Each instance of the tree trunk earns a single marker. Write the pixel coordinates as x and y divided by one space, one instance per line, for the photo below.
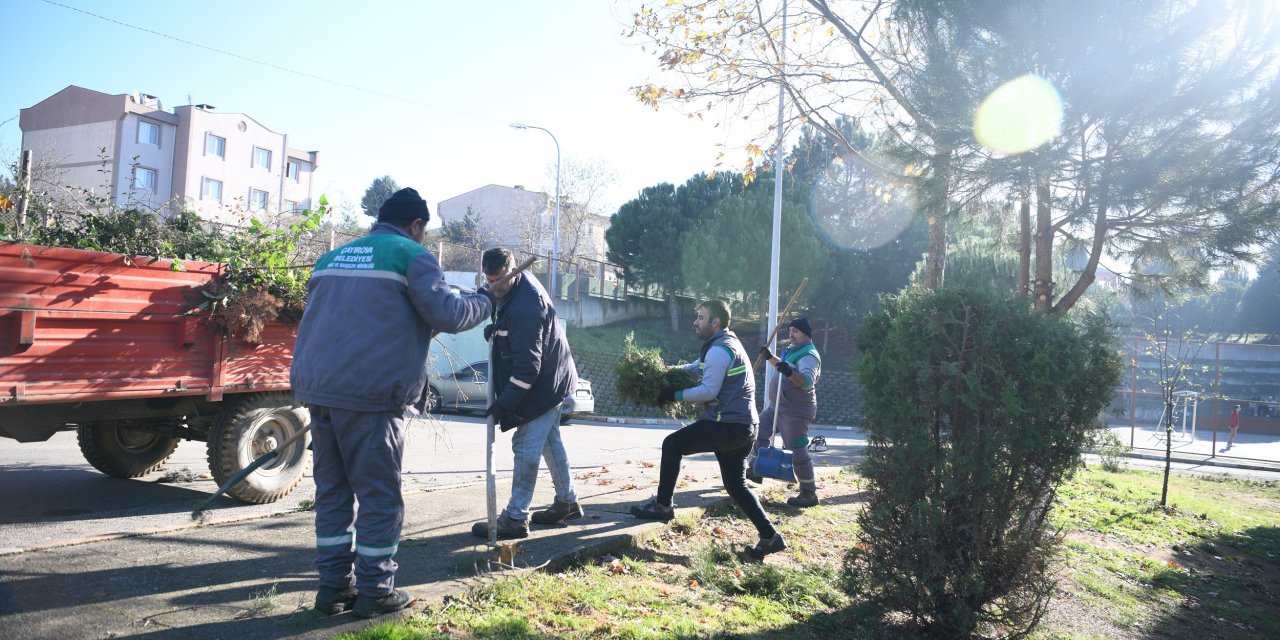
1024 241
939 205
1043 286
1100 229
1168 450
935 261
673 311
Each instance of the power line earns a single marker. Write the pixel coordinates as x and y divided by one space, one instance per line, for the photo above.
268 64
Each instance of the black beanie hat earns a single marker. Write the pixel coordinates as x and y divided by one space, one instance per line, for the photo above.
404 206
802 323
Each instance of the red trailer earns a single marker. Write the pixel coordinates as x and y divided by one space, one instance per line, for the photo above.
112 346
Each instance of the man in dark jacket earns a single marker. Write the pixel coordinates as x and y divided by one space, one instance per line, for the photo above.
359 360
533 373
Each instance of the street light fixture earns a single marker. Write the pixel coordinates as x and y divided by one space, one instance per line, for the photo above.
555 238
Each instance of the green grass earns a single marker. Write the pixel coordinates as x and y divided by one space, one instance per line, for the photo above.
652 332
1206 567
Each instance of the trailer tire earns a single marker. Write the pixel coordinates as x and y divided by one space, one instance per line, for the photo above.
121 452
250 428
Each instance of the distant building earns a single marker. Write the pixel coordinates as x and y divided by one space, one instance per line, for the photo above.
217 164
522 220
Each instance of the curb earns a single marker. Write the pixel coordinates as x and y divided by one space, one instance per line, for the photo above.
674 423
1211 462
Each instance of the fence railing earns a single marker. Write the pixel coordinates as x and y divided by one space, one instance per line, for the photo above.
1214 377
578 277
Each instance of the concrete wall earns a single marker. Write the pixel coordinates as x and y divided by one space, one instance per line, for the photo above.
594 312
499 209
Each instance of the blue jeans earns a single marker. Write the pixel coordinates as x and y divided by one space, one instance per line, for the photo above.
535 440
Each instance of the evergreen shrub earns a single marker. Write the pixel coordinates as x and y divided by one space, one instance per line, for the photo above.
977 407
642 378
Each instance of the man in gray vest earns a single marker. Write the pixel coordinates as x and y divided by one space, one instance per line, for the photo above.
725 426
798 370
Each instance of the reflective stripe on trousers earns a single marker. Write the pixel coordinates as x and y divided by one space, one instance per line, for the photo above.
357 459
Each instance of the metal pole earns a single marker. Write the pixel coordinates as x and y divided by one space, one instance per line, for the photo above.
775 257
1133 394
1217 393
555 237
490 477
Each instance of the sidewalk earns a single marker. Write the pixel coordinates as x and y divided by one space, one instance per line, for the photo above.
253 579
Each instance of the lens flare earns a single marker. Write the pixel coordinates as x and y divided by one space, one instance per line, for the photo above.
1019 116
856 210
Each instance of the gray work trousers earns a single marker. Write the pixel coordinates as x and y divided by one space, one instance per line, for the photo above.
795 438
359 509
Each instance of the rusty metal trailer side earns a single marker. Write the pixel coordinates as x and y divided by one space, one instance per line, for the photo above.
109 344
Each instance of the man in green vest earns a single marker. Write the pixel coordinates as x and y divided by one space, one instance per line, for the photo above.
798 370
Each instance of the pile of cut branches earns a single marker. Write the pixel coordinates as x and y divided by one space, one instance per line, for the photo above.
643 379
261 284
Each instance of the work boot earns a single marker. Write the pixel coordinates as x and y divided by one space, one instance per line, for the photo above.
331 601
370 606
651 510
559 512
755 477
808 497
508 528
767 546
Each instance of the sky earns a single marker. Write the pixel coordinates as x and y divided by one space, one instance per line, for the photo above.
421 91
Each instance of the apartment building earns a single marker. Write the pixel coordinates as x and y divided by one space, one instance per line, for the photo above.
127 148
521 219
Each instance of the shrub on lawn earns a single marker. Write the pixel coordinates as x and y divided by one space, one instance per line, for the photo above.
977 407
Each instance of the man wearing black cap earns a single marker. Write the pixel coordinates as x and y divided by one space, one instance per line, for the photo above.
798 372
359 361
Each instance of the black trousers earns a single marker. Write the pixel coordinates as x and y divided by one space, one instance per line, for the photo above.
731 442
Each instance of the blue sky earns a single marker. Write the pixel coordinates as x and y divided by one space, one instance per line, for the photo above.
445 79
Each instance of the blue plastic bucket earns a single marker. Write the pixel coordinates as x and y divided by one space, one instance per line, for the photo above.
775 463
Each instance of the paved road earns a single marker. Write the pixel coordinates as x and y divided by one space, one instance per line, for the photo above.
51 495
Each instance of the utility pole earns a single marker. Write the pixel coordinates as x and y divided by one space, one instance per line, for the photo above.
775 257
24 189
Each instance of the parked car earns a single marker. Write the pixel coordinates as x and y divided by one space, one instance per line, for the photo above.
458 371
464 391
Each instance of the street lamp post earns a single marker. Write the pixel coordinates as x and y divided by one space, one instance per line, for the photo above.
555 238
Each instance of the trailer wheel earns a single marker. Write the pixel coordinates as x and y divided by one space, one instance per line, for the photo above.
121 452
249 429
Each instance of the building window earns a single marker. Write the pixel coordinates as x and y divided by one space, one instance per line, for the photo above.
211 189
215 146
257 200
290 205
148 133
144 179
292 170
262 158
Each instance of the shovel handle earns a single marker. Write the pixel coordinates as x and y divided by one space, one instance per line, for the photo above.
773 334
514 272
